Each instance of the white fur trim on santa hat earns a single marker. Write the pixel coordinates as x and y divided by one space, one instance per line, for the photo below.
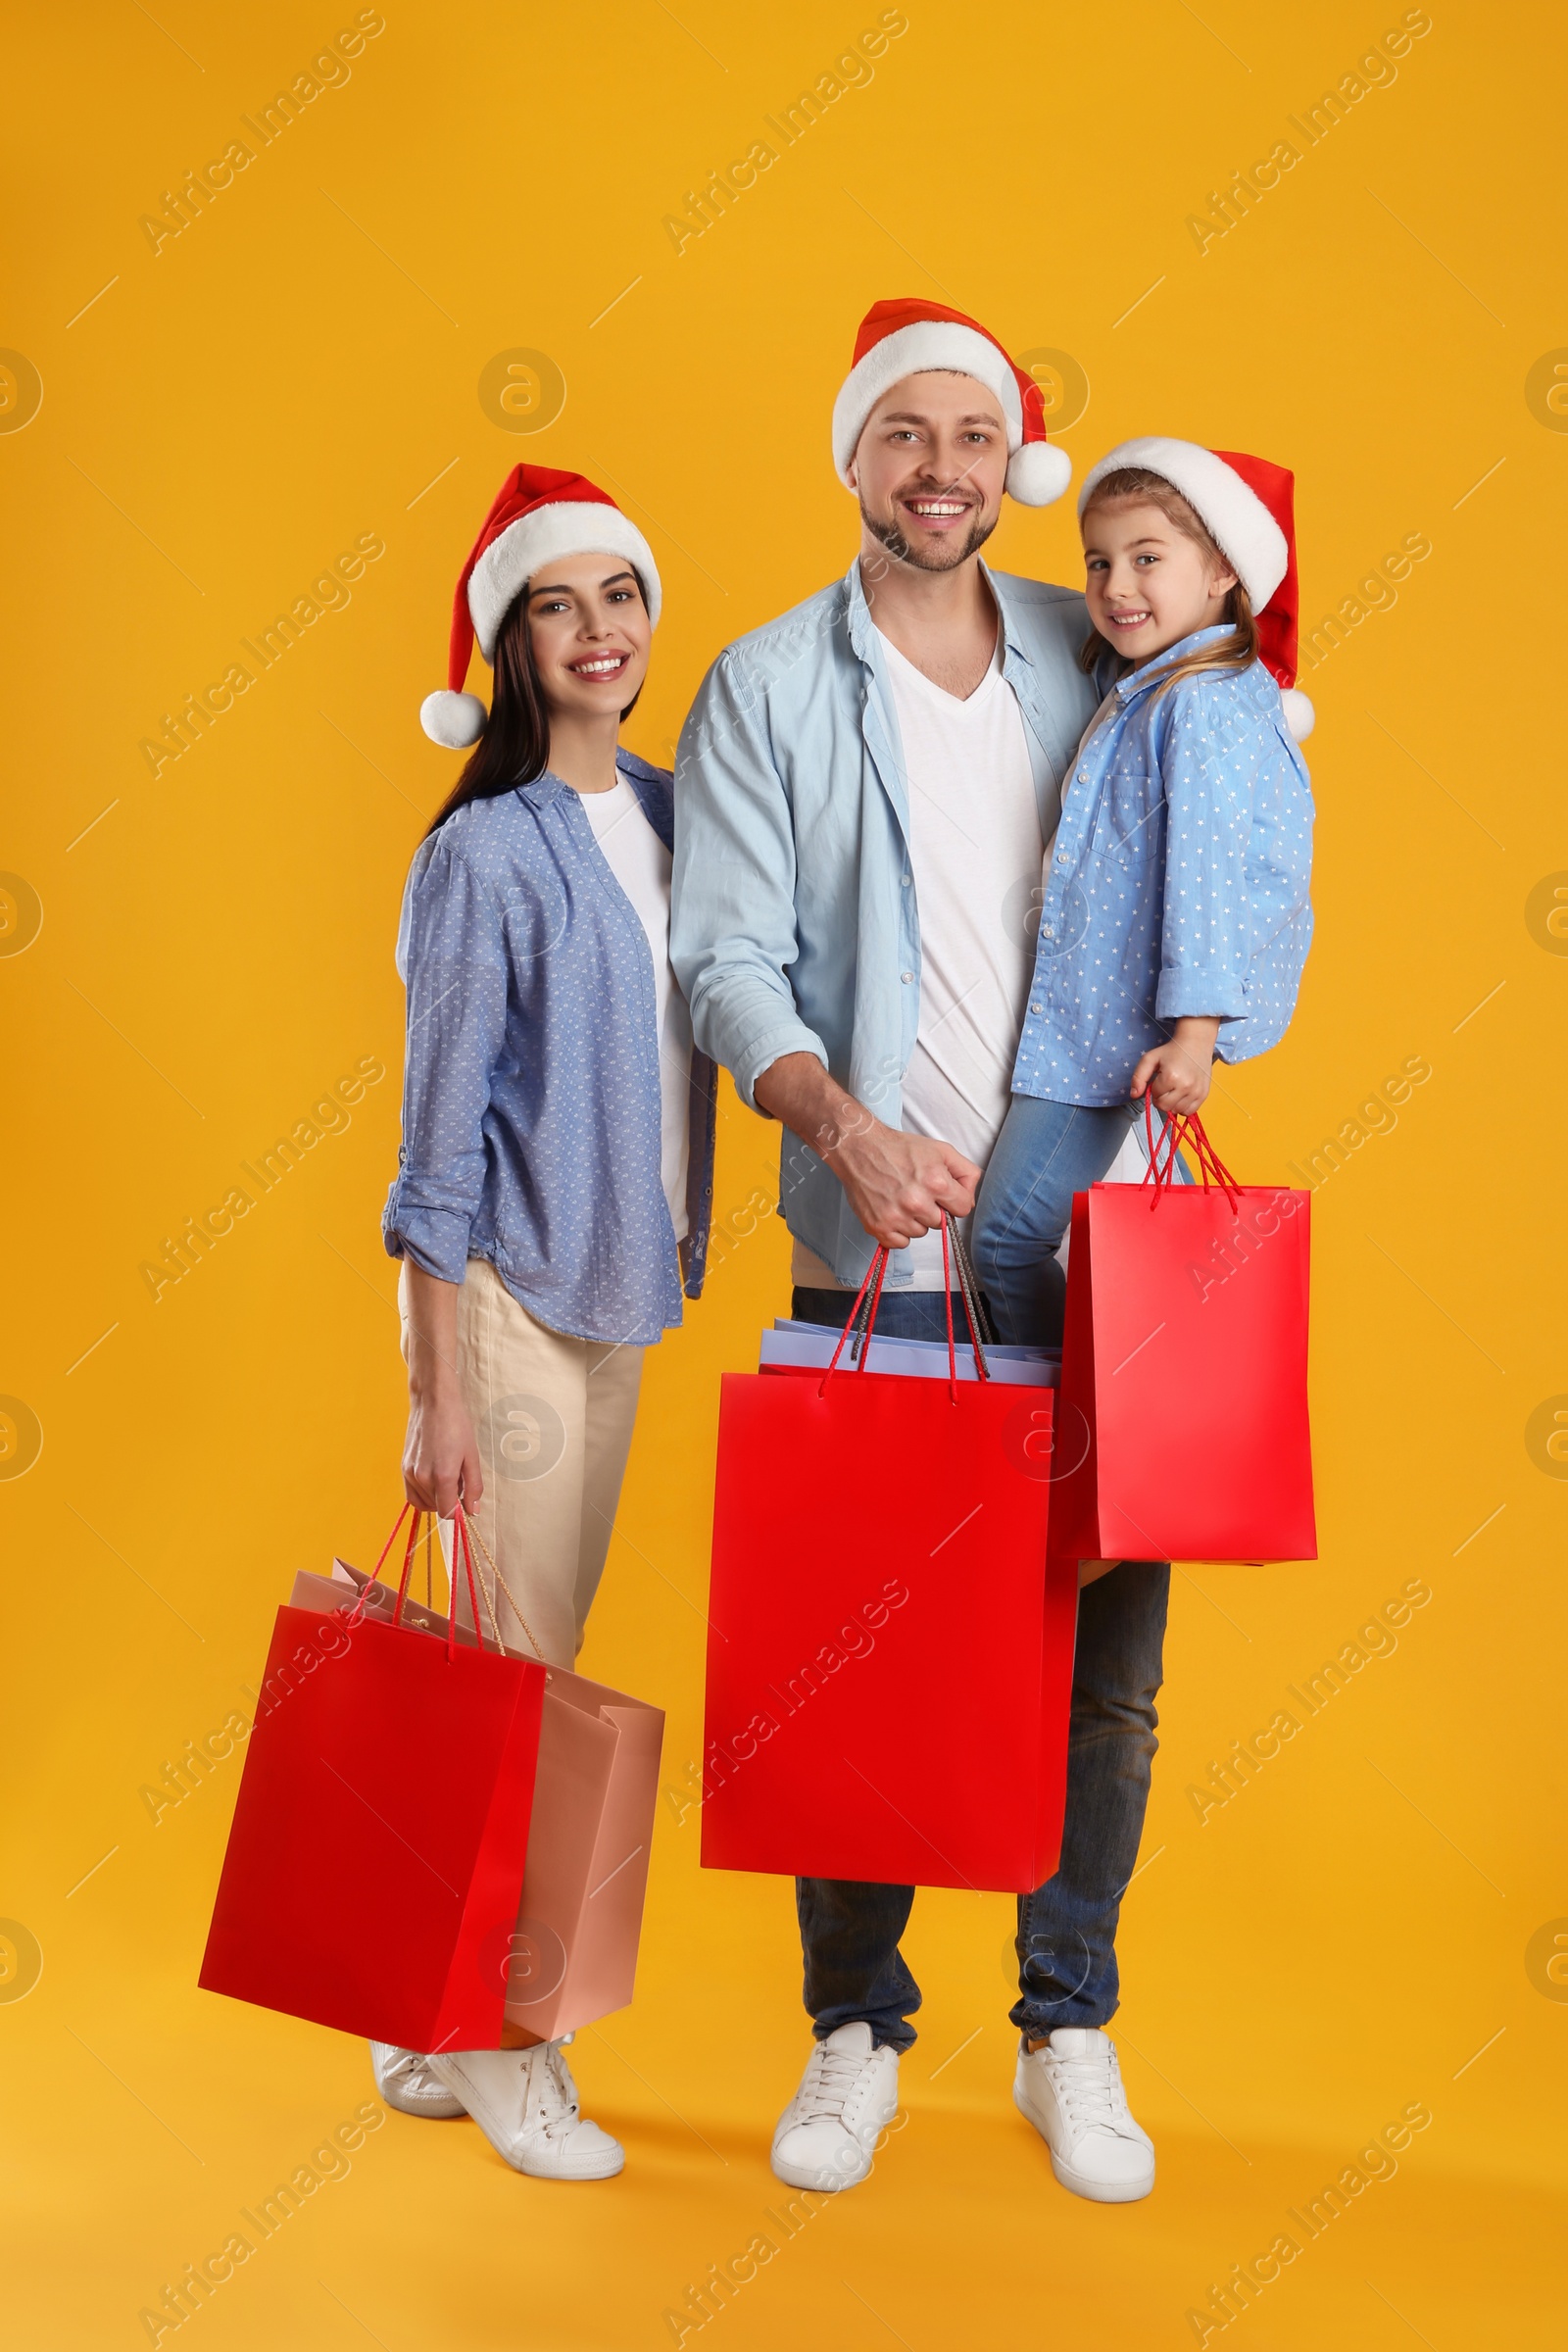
453 721
1300 715
930 343
1235 517
572 526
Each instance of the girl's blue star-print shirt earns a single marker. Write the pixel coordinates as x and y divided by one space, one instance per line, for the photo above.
1178 884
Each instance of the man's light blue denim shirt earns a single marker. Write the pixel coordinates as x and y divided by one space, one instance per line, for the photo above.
1178 883
531 1103
795 928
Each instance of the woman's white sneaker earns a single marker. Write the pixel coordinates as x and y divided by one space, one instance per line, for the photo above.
525 2103
827 2134
405 2082
1071 2091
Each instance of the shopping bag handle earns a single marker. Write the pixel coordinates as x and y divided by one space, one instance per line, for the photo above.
460 1540
1186 1127
975 1311
495 1570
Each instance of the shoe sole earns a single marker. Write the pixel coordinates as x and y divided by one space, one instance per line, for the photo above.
568 2177
1100 2192
798 2176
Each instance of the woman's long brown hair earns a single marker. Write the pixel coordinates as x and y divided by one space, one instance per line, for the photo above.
1238 651
514 747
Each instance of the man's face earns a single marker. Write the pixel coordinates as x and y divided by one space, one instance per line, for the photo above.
930 469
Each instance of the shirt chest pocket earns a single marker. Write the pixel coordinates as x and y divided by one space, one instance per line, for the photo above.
1130 822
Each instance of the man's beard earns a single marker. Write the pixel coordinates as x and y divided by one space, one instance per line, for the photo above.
944 556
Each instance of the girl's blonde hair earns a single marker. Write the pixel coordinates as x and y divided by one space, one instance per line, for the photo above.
1239 649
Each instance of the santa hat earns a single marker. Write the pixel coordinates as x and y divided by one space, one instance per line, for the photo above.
1248 506
539 514
904 338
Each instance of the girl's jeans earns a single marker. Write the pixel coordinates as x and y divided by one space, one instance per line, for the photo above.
1066 1939
1045 1154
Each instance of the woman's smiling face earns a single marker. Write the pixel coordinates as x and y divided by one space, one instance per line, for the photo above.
1148 584
590 633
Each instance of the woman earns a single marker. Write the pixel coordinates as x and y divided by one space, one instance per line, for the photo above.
554 1181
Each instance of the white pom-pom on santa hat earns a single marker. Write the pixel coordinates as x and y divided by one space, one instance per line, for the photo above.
539 514
453 721
911 337
1038 474
1300 715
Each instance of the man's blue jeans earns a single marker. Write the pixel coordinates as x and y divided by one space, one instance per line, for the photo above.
1066 1940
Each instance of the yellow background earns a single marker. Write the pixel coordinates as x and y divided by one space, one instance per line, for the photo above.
295 369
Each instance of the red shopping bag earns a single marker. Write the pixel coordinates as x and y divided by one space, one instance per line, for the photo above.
1184 1414
889 1650
378 1842
571 1957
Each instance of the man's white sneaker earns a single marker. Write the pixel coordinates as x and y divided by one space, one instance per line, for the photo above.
525 2103
405 2082
827 2134
1071 2091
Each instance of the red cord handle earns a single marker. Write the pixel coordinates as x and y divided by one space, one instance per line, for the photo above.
873 1281
374 1577
461 1529
1186 1127
460 1536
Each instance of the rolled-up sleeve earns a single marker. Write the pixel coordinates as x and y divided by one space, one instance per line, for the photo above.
454 958
1208 770
733 936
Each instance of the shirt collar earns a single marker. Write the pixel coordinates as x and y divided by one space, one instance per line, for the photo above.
1137 680
629 770
863 631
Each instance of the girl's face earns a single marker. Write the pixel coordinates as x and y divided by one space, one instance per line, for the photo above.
590 633
1148 584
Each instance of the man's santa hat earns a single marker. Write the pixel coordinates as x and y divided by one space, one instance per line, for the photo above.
539 515
1248 506
907 337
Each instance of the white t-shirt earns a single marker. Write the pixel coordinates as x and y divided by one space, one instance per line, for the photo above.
641 865
976 858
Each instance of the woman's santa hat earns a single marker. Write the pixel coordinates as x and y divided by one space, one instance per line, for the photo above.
907 338
1248 506
539 515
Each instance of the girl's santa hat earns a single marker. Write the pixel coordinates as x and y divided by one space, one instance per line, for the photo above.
904 338
539 515
1248 506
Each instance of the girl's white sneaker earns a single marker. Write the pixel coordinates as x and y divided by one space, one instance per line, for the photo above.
405 2082
1071 2091
827 2134
525 2103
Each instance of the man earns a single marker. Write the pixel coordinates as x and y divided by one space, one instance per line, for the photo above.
864 793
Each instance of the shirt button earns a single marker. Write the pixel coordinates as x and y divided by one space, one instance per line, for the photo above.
905 880
1045 931
905 977
1083 775
1034 1008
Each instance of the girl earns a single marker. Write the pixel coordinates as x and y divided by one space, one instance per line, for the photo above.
555 1175
1175 919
